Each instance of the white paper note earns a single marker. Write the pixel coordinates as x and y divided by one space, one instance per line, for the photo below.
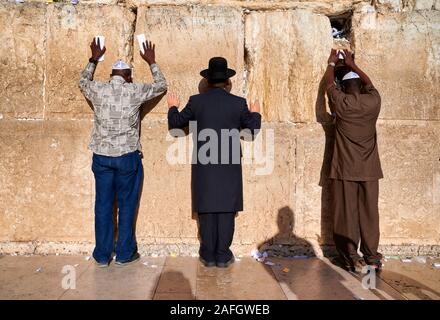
101 43
340 54
141 41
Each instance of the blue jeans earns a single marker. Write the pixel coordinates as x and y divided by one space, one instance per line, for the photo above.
121 176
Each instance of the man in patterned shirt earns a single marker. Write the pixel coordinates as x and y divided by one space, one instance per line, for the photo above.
117 165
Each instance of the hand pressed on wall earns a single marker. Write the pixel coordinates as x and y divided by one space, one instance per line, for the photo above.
149 54
173 100
97 52
255 106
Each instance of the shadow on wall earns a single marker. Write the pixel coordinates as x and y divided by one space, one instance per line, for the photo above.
305 279
148 106
327 122
286 236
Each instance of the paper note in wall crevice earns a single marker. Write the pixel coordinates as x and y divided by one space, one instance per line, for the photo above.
101 44
141 40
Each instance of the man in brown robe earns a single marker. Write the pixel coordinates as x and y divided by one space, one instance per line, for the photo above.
355 167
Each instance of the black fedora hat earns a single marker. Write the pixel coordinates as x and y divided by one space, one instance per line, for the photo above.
218 70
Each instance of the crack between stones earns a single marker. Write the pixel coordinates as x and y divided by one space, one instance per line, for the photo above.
133 10
247 64
46 32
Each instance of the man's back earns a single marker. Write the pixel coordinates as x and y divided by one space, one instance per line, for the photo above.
216 172
356 155
222 113
218 109
357 115
116 107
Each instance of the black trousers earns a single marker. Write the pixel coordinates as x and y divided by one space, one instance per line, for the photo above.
216 233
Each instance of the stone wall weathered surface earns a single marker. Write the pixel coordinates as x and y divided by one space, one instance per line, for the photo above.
70 30
403 47
279 49
23 35
186 37
287 41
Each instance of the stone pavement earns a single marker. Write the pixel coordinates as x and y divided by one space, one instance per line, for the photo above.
41 277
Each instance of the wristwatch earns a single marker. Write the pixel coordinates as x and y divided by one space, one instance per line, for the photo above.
331 64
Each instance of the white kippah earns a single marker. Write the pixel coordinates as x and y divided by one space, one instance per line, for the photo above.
350 75
120 65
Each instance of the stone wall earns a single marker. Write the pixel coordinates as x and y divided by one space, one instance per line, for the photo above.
279 49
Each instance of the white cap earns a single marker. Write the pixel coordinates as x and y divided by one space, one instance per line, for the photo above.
350 75
120 65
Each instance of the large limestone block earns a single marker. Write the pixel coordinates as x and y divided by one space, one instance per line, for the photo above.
186 38
286 57
314 152
70 31
165 214
401 54
22 59
409 192
409 195
47 187
269 216
46 183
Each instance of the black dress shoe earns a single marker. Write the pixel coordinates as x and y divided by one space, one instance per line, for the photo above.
225 264
207 264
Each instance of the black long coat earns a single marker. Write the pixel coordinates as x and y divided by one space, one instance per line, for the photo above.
217 186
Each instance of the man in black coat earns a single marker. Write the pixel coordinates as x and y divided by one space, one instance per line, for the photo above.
217 186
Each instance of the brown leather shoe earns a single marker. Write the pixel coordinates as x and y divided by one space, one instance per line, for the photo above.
359 265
